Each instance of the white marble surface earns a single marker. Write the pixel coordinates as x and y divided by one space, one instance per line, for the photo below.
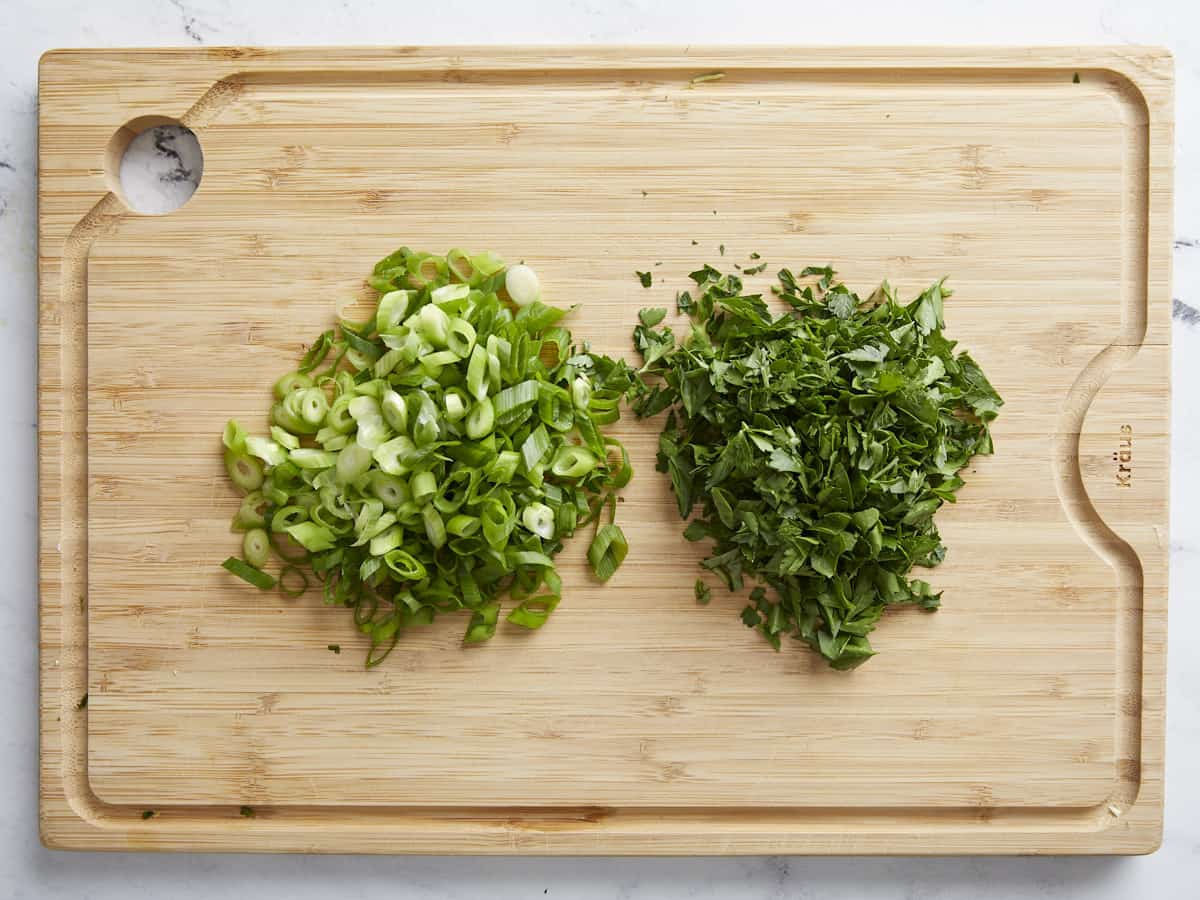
161 169
27 28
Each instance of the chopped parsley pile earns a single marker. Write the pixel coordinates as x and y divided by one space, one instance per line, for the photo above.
435 457
812 449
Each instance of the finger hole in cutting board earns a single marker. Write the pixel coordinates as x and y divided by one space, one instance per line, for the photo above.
153 164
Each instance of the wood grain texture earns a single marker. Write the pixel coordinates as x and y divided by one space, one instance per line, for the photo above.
1024 717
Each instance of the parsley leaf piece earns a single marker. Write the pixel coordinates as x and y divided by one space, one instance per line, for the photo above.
646 278
652 316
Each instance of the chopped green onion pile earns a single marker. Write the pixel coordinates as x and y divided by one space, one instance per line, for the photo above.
818 446
436 456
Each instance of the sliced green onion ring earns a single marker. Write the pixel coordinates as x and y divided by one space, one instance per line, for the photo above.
256 547
423 487
460 338
513 402
292 581
250 513
316 353
287 548
534 611
291 383
622 470
285 438
573 462
244 471
483 624
481 420
459 265
539 518
608 551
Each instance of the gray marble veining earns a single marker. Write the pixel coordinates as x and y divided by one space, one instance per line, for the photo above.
161 169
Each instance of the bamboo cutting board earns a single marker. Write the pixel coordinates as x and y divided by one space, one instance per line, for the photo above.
1025 716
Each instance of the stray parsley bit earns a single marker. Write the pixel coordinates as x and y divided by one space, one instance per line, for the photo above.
695 243
247 812
652 316
645 278
703 592
82 704
708 76
334 648
722 249
148 814
754 270
755 256
818 445
1075 80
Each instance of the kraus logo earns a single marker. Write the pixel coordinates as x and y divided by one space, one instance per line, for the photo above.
1123 457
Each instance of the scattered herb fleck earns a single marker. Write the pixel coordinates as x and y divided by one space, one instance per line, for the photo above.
82 704
644 194
334 648
755 256
1075 79
703 592
708 76
695 243
754 270
722 249
247 812
818 445
148 814
645 278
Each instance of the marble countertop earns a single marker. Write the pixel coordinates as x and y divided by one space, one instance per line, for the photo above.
28 870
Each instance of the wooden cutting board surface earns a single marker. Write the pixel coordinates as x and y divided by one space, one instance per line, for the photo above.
1025 716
